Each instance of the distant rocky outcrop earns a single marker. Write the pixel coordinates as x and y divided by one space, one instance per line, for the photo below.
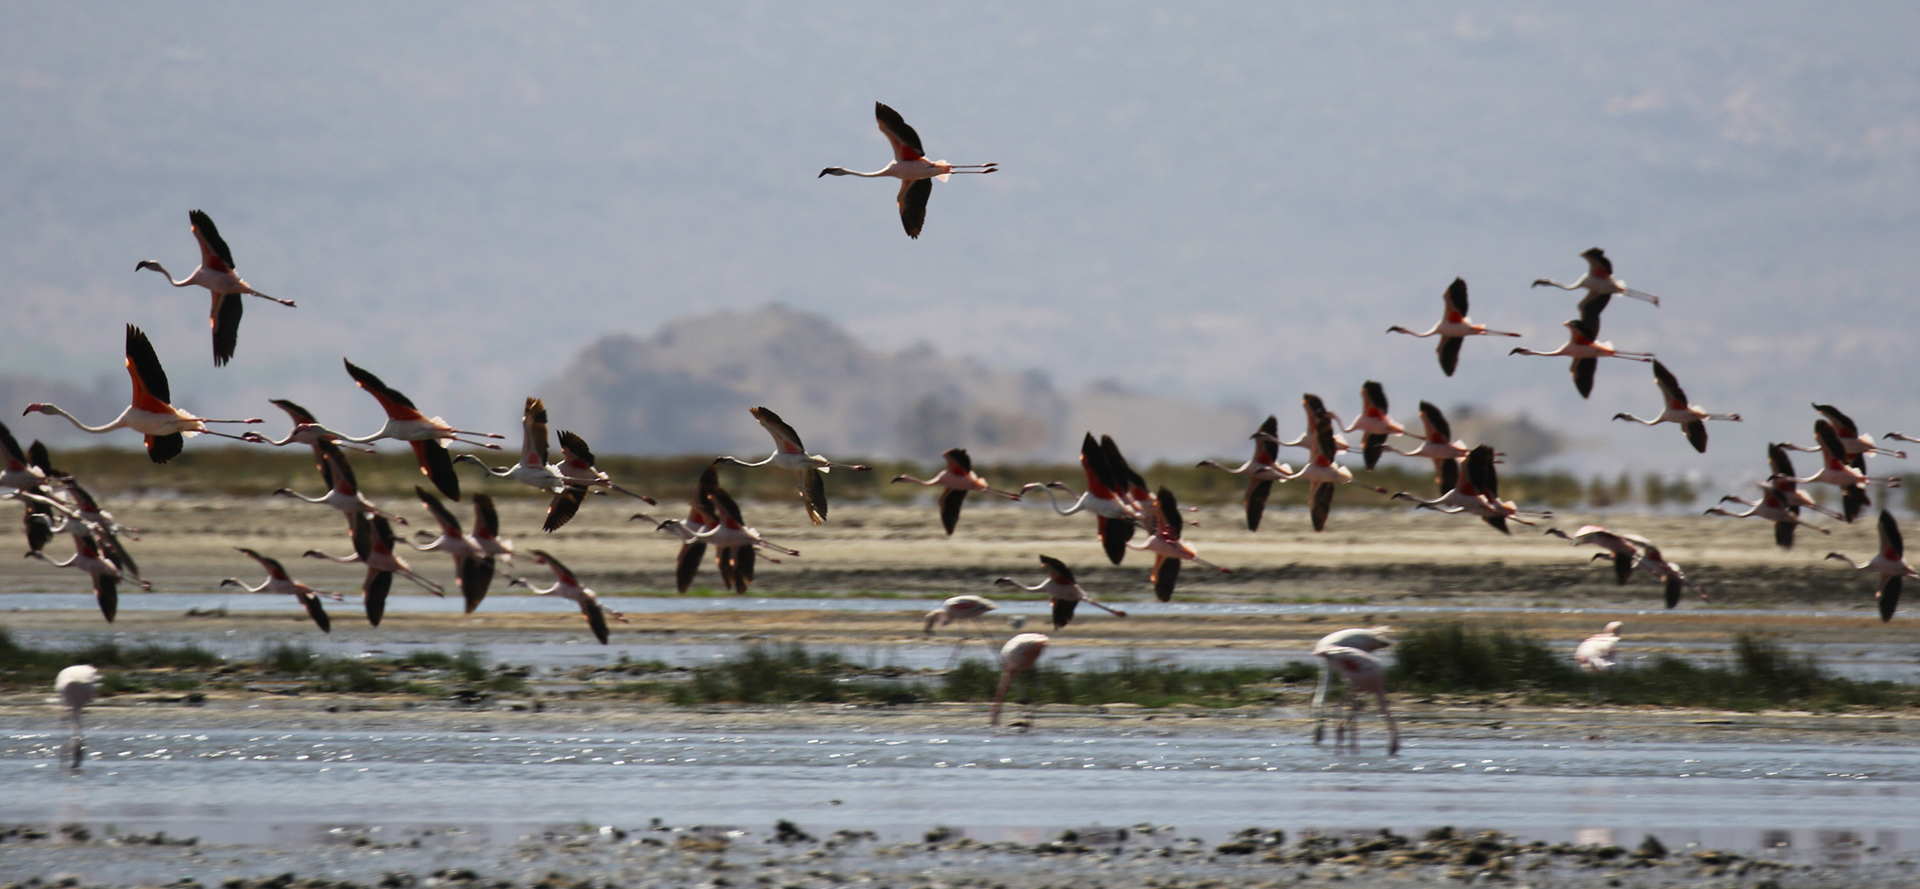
686 390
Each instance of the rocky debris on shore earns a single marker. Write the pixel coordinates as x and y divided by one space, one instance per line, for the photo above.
1141 857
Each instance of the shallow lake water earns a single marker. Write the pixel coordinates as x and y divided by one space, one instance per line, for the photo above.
301 788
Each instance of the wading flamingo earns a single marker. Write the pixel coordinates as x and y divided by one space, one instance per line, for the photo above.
911 167
217 275
965 610
1021 654
151 414
1364 673
76 686
1596 656
1367 639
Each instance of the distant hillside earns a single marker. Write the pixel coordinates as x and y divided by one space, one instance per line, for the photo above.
686 390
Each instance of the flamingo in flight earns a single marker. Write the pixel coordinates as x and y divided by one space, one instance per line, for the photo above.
1367 639
90 527
1890 563
1163 540
1453 328
1062 591
911 167
217 275
1317 414
1622 547
567 586
809 470
1857 444
535 469
1691 417
1599 282
700 517
1780 501
967 611
1320 471
1364 673
1586 352
151 414
1438 444
279 581
1838 469
343 492
1114 515
1476 491
471 562
1021 654
373 544
1374 423
1672 579
306 430
76 686
486 529
580 475
406 423
736 544
86 557
959 479
1261 470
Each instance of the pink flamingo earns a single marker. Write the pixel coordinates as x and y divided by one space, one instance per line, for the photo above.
1114 516
1261 470
306 430
1453 328
1586 352
471 562
76 686
1364 673
1599 282
86 557
911 167
958 478
1062 591
426 434
568 587
1691 417
343 492
1367 639
1020 655
1891 564
1622 547
217 275
966 610
1374 423
280 582
1439 445
1168 549
373 545
789 454
151 414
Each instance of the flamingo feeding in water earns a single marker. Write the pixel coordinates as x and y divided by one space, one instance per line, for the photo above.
911 167
1453 328
1062 591
1021 654
965 610
217 275
406 423
1367 639
76 686
810 470
151 414
1364 673
1691 417
1891 564
958 478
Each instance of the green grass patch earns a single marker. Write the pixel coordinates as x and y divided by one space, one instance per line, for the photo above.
1455 658
1129 682
23 665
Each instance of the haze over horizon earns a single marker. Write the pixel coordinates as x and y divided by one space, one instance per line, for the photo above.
1221 204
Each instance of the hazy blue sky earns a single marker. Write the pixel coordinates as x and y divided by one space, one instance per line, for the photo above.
1228 201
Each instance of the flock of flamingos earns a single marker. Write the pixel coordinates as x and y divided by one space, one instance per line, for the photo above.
1118 497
